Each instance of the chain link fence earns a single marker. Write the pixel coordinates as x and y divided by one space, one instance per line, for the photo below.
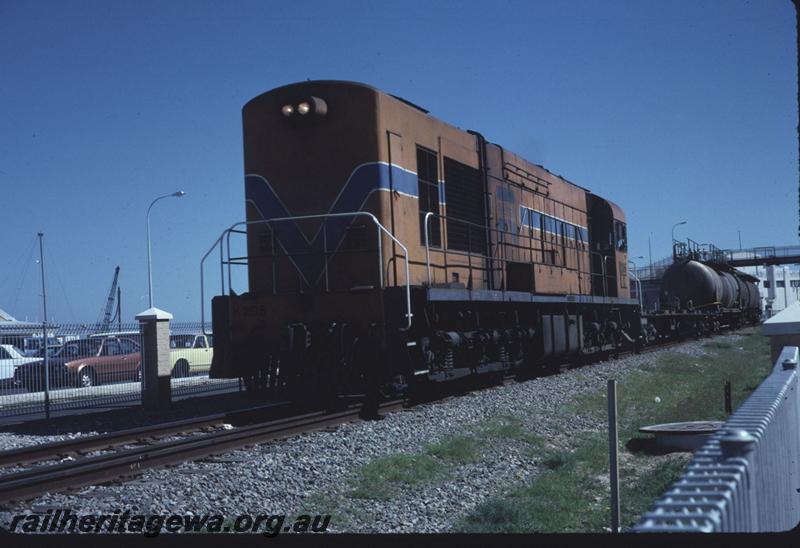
91 367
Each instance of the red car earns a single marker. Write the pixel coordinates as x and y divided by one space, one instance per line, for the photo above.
116 359
85 362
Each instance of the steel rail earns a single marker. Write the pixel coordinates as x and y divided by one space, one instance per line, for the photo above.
60 449
108 467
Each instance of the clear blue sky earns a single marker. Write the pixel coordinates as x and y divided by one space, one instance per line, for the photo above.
681 110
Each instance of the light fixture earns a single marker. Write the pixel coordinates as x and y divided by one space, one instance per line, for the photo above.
287 110
303 108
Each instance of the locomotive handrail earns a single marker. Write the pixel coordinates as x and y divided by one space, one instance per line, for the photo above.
638 287
500 247
428 215
603 274
227 232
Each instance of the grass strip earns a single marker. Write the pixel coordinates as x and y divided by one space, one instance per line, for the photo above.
572 492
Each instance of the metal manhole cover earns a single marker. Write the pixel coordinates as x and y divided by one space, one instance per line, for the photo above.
679 428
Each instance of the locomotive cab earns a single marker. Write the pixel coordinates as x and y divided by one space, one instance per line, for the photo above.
609 257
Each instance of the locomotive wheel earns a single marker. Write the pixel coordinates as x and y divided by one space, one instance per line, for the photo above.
249 383
254 384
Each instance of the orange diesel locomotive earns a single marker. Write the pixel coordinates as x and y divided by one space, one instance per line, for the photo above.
388 249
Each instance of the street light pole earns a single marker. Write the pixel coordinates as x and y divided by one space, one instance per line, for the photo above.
650 253
177 194
674 227
630 260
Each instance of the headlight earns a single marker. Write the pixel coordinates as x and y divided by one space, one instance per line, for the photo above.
307 107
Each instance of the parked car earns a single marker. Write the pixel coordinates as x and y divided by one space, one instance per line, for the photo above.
85 362
190 354
51 350
32 346
10 358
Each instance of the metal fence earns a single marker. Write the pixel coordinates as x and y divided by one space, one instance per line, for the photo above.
747 477
89 367
86 367
653 271
190 353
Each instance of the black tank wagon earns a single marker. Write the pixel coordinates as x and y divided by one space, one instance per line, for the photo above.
700 293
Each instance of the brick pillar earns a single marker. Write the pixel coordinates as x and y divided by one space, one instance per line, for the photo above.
156 366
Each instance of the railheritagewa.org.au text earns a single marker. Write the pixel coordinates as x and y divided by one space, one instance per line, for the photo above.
152 525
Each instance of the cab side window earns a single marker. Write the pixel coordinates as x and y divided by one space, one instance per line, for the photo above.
620 236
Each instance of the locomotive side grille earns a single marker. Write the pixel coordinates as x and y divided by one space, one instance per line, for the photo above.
465 202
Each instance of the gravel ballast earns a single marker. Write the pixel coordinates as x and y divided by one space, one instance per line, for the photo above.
314 473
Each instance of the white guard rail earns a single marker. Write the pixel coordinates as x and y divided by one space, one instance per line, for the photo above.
747 477
226 236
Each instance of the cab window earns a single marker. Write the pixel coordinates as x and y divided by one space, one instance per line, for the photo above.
620 236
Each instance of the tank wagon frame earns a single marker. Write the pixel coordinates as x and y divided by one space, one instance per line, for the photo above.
701 293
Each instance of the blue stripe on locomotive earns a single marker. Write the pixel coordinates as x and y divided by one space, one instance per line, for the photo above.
307 255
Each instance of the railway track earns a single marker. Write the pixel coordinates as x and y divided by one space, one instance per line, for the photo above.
111 440
91 470
128 462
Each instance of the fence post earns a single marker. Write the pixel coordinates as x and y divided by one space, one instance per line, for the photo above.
613 443
44 333
728 404
736 446
156 366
